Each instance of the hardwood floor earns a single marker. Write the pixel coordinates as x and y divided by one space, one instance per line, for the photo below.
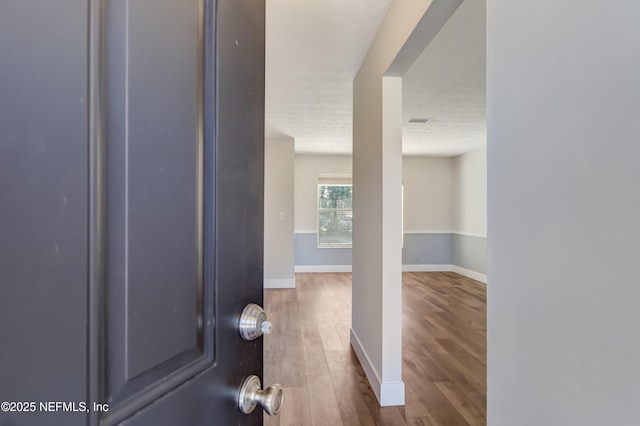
444 353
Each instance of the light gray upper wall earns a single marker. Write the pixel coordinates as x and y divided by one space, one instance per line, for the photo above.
428 194
563 94
428 191
470 193
278 209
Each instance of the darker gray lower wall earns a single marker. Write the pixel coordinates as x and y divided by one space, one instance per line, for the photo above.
470 253
418 249
427 249
308 253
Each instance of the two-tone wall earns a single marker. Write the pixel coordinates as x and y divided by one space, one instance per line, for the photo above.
308 257
470 214
427 212
444 218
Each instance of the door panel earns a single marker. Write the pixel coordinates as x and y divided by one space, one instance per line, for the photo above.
132 207
154 160
162 191
236 176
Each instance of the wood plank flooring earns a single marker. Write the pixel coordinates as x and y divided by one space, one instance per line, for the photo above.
444 353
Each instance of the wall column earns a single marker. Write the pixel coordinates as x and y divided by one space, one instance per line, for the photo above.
278 213
376 328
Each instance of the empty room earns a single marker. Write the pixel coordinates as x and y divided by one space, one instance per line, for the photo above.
313 222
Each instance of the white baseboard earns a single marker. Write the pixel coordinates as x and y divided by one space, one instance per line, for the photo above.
391 394
427 268
469 273
405 268
422 232
388 393
347 268
280 283
322 268
470 234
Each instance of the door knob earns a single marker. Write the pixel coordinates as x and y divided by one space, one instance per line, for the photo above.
253 322
251 394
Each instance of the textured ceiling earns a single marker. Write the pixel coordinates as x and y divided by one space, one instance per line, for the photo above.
314 50
447 85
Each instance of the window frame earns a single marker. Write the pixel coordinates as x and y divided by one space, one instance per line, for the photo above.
332 180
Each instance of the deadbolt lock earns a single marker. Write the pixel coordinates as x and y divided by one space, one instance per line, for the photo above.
253 322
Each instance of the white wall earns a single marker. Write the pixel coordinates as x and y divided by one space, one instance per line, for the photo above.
470 193
563 92
279 213
307 170
428 194
428 190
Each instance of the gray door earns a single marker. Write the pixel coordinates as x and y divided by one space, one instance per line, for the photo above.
131 200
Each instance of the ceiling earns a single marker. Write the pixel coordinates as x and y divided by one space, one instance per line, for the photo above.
314 50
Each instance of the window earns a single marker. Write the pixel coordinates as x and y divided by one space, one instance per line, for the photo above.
335 211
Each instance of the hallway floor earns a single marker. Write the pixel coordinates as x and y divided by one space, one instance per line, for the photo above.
444 353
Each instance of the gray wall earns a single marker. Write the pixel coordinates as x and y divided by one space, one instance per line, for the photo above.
563 91
308 253
427 249
419 249
470 253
